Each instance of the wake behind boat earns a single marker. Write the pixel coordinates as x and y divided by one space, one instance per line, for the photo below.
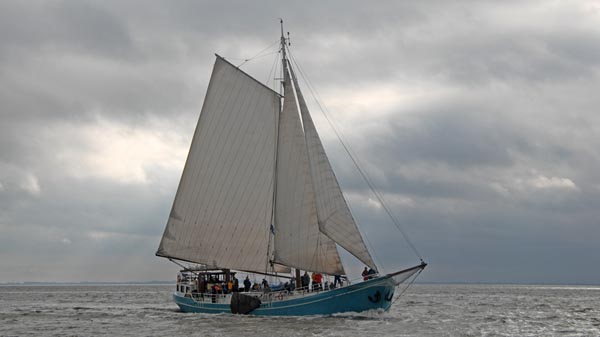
258 195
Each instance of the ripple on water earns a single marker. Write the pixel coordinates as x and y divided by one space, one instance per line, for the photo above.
425 310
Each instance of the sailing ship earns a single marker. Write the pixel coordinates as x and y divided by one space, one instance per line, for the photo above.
258 195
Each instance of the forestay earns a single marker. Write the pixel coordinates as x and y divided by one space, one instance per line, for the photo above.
223 207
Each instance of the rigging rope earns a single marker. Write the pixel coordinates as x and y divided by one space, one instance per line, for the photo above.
407 286
354 158
273 71
259 54
372 251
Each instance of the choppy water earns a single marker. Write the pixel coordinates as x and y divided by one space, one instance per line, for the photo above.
425 310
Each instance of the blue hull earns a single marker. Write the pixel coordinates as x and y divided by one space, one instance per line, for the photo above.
369 295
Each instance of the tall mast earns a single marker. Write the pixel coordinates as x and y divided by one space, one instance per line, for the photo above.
283 54
286 81
272 226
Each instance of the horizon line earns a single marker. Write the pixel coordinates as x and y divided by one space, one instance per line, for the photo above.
165 282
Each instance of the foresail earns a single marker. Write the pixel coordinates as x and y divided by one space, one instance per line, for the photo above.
222 210
334 217
298 241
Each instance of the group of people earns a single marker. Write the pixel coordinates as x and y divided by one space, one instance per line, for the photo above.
317 282
313 282
289 286
215 286
248 285
368 274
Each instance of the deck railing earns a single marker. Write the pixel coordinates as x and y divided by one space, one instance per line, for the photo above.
265 295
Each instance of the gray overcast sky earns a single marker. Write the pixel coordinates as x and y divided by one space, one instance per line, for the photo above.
478 120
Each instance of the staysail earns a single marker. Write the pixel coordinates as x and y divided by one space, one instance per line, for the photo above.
334 217
298 241
223 207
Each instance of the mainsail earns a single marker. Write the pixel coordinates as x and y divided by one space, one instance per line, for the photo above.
223 207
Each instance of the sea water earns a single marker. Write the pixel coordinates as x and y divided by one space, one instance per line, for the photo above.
424 310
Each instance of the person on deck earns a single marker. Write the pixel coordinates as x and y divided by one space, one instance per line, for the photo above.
371 273
319 280
213 290
365 274
337 279
305 281
201 285
247 284
265 285
216 290
236 284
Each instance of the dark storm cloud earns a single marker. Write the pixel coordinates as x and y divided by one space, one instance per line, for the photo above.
70 26
92 28
487 148
456 136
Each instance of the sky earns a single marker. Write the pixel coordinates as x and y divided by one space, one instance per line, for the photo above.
477 120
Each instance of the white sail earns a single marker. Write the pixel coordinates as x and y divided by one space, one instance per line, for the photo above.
298 241
334 217
222 210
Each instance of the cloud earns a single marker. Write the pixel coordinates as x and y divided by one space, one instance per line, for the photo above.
31 184
543 182
120 152
479 126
